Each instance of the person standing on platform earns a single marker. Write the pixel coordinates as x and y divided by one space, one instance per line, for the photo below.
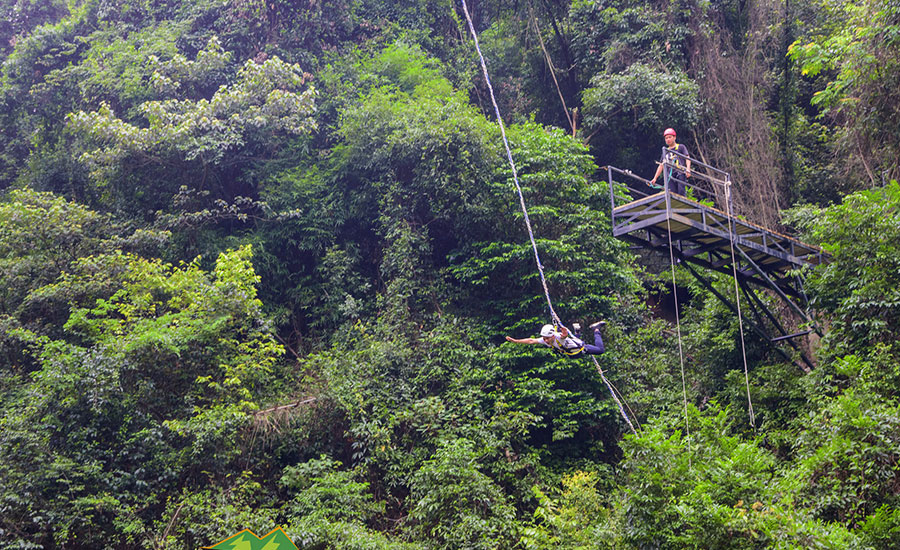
679 163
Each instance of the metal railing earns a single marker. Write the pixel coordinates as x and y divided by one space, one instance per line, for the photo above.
705 181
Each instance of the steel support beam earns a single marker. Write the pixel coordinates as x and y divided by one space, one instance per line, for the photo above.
781 293
752 297
761 332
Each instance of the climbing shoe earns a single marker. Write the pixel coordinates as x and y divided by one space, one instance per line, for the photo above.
597 325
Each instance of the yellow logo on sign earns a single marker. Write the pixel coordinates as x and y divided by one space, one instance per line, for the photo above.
277 539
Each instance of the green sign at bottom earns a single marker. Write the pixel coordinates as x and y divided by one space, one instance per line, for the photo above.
246 540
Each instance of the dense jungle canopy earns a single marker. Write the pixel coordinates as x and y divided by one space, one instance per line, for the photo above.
258 259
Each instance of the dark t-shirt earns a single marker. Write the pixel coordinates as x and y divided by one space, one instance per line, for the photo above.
677 178
676 160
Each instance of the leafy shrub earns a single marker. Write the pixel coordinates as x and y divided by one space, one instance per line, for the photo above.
858 286
456 505
848 458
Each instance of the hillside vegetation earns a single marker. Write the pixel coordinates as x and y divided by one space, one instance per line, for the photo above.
258 260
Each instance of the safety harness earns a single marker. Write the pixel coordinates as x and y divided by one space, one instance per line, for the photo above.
569 351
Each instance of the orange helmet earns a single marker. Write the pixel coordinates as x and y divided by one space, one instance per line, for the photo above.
669 131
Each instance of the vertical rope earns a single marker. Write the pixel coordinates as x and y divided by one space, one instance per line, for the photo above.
537 31
738 300
487 79
687 426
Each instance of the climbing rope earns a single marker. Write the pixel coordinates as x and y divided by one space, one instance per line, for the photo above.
738 301
613 393
730 215
512 165
618 395
687 426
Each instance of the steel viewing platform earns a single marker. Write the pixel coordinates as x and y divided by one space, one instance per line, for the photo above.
702 235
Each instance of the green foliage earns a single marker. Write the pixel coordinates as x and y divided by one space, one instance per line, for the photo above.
389 387
634 60
401 393
457 506
858 49
161 373
323 508
165 314
407 68
816 169
581 261
712 489
265 100
848 458
682 488
642 98
565 522
31 108
609 37
324 493
645 97
41 235
118 69
418 161
388 253
214 511
349 536
513 63
846 468
847 49
48 47
466 221
882 528
22 16
858 287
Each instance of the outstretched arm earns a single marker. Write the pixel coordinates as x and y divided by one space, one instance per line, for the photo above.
523 340
659 170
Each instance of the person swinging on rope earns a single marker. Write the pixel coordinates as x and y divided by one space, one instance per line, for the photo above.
564 343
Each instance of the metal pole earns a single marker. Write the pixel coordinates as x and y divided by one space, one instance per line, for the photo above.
612 197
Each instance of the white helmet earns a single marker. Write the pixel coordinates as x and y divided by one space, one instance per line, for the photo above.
548 331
